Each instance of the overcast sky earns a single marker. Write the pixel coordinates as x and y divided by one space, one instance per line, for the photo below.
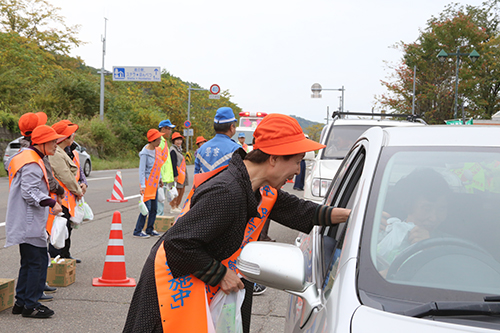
268 54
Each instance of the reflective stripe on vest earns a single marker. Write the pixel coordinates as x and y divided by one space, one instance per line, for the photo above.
181 171
186 298
161 156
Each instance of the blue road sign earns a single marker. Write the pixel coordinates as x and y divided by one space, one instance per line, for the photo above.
125 73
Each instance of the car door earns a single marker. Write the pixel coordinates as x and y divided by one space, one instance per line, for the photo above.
323 246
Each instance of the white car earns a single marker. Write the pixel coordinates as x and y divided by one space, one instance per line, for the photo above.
372 273
338 137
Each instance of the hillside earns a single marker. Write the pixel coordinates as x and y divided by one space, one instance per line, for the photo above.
304 123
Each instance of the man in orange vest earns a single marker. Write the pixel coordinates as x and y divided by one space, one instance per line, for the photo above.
196 257
27 212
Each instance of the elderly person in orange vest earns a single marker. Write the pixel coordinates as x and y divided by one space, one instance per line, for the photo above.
179 163
151 160
27 212
66 172
227 209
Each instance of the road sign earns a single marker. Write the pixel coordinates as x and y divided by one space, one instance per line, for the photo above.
211 96
187 124
214 89
124 73
188 132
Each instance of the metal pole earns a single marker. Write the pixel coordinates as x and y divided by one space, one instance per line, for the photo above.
327 114
413 99
456 85
101 105
189 109
343 98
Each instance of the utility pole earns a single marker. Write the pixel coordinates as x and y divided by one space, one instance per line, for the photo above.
103 39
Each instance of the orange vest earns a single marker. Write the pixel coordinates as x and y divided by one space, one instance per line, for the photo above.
184 301
181 171
25 157
76 160
154 177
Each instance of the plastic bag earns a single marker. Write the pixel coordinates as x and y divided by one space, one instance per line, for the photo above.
172 193
161 195
396 232
142 207
88 213
225 311
59 232
77 218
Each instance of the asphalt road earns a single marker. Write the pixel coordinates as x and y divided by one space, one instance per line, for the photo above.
80 307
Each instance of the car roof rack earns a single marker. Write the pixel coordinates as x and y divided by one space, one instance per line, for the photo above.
409 117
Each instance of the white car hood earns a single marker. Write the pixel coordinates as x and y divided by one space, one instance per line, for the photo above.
326 169
367 319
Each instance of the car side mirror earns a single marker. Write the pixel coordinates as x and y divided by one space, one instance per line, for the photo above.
280 266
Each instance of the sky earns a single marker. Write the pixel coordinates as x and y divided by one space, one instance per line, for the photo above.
267 54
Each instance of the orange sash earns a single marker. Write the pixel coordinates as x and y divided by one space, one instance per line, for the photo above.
154 177
181 172
184 301
25 157
76 160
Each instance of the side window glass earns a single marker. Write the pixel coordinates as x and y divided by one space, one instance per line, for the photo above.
333 237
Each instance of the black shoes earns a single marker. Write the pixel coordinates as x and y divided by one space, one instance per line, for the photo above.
39 312
17 309
49 290
77 260
258 289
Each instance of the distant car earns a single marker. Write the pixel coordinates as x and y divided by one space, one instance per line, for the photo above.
339 136
85 161
371 274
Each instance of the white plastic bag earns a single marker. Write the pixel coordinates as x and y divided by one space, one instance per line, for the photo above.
172 193
225 311
59 232
88 213
161 195
142 207
396 232
77 218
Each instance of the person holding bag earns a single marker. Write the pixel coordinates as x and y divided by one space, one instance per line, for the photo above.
25 222
178 163
151 160
225 210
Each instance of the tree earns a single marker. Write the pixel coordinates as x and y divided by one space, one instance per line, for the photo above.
465 27
38 20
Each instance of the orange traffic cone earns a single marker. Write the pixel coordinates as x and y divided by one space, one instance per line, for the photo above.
117 193
114 273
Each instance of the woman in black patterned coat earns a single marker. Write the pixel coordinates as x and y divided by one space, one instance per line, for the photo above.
213 229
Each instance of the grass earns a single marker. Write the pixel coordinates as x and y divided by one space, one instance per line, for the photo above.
129 162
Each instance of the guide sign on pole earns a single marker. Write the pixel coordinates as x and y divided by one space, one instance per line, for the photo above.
127 73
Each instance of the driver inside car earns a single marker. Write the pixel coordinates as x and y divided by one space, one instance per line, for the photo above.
421 200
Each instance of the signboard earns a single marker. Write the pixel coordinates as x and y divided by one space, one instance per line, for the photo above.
214 89
458 122
124 73
188 132
211 96
187 124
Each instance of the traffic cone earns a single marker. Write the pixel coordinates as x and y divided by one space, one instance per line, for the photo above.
117 193
114 273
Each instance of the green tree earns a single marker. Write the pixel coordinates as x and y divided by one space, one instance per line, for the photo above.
465 27
39 21
314 131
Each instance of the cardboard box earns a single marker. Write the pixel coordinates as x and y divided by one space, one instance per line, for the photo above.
163 223
61 274
6 293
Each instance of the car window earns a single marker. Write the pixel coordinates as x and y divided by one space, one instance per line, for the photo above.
431 230
340 140
332 238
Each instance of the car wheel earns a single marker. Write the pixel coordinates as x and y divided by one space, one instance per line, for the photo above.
87 168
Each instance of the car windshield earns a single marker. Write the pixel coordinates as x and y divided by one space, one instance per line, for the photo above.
340 139
432 225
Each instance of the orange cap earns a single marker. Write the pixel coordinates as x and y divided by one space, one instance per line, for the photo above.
153 134
278 134
42 118
64 128
27 123
176 135
200 139
43 134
